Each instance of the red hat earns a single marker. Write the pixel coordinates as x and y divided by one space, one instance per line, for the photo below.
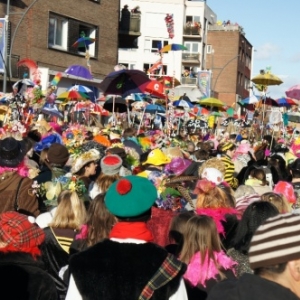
19 234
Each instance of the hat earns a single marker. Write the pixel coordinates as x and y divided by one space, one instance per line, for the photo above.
12 152
58 154
286 189
156 157
177 166
19 233
213 175
276 241
130 196
118 151
111 164
84 159
226 146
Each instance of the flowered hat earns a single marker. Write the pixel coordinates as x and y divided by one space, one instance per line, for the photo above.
85 158
177 166
130 196
157 158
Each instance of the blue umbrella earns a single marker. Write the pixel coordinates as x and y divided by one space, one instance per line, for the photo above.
79 71
154 108
183 104
80 88
51 109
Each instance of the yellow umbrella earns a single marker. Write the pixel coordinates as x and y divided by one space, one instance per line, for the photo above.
266 79
212 102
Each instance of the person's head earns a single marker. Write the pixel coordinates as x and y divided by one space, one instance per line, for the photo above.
295 168
178 224
18 234
99 221
260 175
227 148
201 155
254 215
277 200
129 132
86 164
58 155
130 198
70 212
212 163
200 235
209 195
190 147
274 251
287 190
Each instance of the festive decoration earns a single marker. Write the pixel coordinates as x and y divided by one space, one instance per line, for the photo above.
170 25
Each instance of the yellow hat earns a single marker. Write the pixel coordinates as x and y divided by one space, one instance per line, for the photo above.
156 157
226 146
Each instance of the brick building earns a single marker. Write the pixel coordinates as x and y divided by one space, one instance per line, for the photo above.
229 56
44 31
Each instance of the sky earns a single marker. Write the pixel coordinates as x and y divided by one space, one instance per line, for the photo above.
272 27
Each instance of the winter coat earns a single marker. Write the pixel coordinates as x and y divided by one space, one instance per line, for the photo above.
27 201
24 278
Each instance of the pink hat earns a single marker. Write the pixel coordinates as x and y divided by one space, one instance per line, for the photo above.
56 127
287 190
177 166
243 148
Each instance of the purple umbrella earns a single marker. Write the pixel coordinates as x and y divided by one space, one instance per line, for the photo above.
79 71
124 82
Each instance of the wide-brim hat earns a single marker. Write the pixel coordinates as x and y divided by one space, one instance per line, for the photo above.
177 165
157 158
130 196
84 159
12 152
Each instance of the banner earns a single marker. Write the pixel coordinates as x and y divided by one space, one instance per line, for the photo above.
2 45
204 82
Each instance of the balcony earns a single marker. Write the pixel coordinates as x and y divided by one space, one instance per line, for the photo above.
191 58
188 81
129 30
192 30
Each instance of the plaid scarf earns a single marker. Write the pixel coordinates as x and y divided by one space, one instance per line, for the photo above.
167 271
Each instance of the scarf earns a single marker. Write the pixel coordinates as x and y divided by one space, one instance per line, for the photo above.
133 230
198 272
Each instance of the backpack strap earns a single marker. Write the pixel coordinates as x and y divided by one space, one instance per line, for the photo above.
16 204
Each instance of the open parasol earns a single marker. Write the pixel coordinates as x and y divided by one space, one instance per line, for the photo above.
266 78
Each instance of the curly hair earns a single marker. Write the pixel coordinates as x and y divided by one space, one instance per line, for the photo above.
212 163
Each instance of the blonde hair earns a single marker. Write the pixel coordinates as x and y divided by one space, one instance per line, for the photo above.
200 235
70 212
43 156
105 181
212 163
277 200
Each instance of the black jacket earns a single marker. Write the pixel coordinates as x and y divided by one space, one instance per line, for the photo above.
23 278
249 287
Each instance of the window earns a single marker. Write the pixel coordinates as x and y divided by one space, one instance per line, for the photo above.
209 49
192 19
58 30
192 47
153 46
129 66
64 32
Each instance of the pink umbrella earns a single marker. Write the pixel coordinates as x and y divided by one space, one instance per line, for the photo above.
294 92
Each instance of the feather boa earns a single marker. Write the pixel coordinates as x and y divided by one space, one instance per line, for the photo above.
218 214
198 272
21 169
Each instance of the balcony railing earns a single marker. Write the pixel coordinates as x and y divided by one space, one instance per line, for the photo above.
188 80
191 57
192 30
130 24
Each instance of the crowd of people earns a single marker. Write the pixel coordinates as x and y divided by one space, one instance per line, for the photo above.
112 213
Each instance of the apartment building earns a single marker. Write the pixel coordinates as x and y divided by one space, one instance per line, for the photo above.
44 31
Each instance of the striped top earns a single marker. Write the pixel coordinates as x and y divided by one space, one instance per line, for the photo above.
64 237
229 171
276 241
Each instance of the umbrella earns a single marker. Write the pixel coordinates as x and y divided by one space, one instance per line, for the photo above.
194 125
72 95
79 71
173 47
212 102
80 88
154 108
117 104
183 104
154 88
250 100
247 106
286 102
226 122
139 105
124 82
84 42
294 92
266 78
22 85
52 110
